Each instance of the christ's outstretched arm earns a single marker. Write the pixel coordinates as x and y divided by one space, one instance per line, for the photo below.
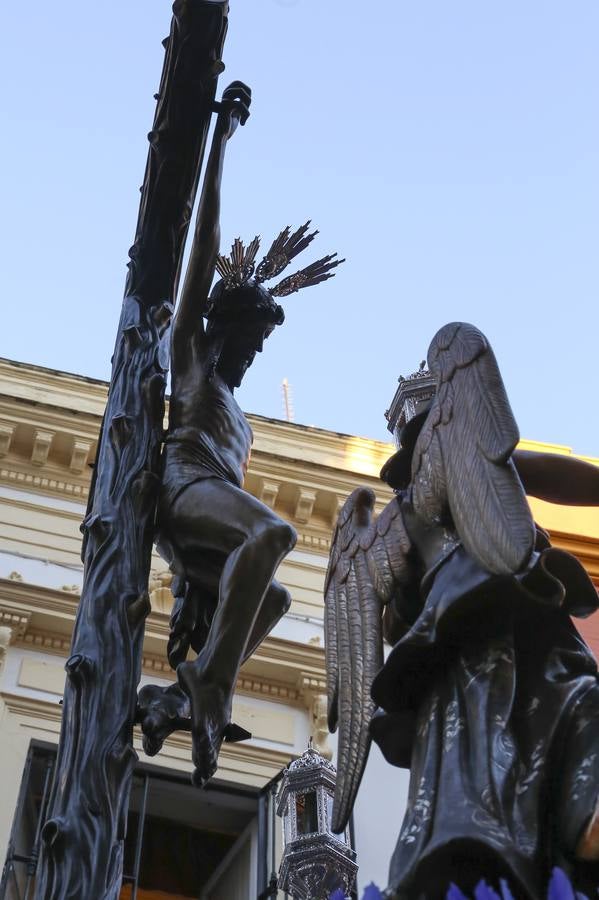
233 110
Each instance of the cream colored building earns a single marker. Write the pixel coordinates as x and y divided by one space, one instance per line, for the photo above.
218 840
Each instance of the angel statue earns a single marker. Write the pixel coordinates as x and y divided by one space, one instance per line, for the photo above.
489 695
222 544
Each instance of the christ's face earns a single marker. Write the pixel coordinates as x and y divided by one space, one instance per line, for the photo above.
239 352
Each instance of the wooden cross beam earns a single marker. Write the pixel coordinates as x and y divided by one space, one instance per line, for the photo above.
83 837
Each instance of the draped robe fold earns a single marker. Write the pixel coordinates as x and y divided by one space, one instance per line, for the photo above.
491 698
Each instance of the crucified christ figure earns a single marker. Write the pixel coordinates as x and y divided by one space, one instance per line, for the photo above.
222 544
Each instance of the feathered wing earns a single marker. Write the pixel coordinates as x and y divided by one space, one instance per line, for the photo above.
462 459
367 560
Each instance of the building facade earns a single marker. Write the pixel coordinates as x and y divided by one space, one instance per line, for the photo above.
220 842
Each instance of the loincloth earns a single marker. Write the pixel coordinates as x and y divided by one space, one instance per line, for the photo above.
189 456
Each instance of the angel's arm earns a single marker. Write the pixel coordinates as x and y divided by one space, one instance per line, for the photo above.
233 109
558 479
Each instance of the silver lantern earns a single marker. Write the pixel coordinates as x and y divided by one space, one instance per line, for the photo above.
315 861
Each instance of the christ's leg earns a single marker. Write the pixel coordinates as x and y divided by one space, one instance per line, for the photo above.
276 603
161 711
217 517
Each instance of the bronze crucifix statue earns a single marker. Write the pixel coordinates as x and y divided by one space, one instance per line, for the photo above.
222 544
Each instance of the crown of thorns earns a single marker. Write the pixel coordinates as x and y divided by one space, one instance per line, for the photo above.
239 267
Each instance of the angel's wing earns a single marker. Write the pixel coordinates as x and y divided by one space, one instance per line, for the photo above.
462 459
368 558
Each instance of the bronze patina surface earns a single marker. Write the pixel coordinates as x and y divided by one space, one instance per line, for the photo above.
489 696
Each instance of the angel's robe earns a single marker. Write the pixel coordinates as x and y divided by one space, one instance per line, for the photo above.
491 698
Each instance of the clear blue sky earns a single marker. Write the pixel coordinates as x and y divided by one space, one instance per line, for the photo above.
450 150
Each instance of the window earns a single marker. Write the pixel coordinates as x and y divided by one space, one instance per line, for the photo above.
18 876
177 837
216 844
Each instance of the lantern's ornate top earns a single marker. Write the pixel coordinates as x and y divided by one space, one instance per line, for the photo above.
310 759
309 772
412 396
315 861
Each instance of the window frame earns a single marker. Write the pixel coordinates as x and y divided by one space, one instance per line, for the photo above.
146 771
266 819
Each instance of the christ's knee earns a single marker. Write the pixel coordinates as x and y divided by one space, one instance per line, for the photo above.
278 599
279 537
285 602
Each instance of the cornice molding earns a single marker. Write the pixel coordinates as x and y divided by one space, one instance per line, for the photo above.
281 670
62 390
15 473
299 469
59 605
320 490
65 393
59 393
158 666
321 493
317 543
14 620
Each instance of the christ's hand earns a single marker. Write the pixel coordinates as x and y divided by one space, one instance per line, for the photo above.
234 108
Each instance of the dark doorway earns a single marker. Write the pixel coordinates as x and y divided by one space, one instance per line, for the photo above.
177 836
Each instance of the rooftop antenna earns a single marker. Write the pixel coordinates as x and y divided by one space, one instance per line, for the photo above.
287 401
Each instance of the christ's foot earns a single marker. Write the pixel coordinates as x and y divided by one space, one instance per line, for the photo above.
160 711
210 715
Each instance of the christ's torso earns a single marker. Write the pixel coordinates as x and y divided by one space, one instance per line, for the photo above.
205 415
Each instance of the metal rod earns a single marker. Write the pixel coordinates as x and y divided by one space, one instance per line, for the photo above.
273 822
262 843
11 855
32 865
139 837
287 401
352 844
